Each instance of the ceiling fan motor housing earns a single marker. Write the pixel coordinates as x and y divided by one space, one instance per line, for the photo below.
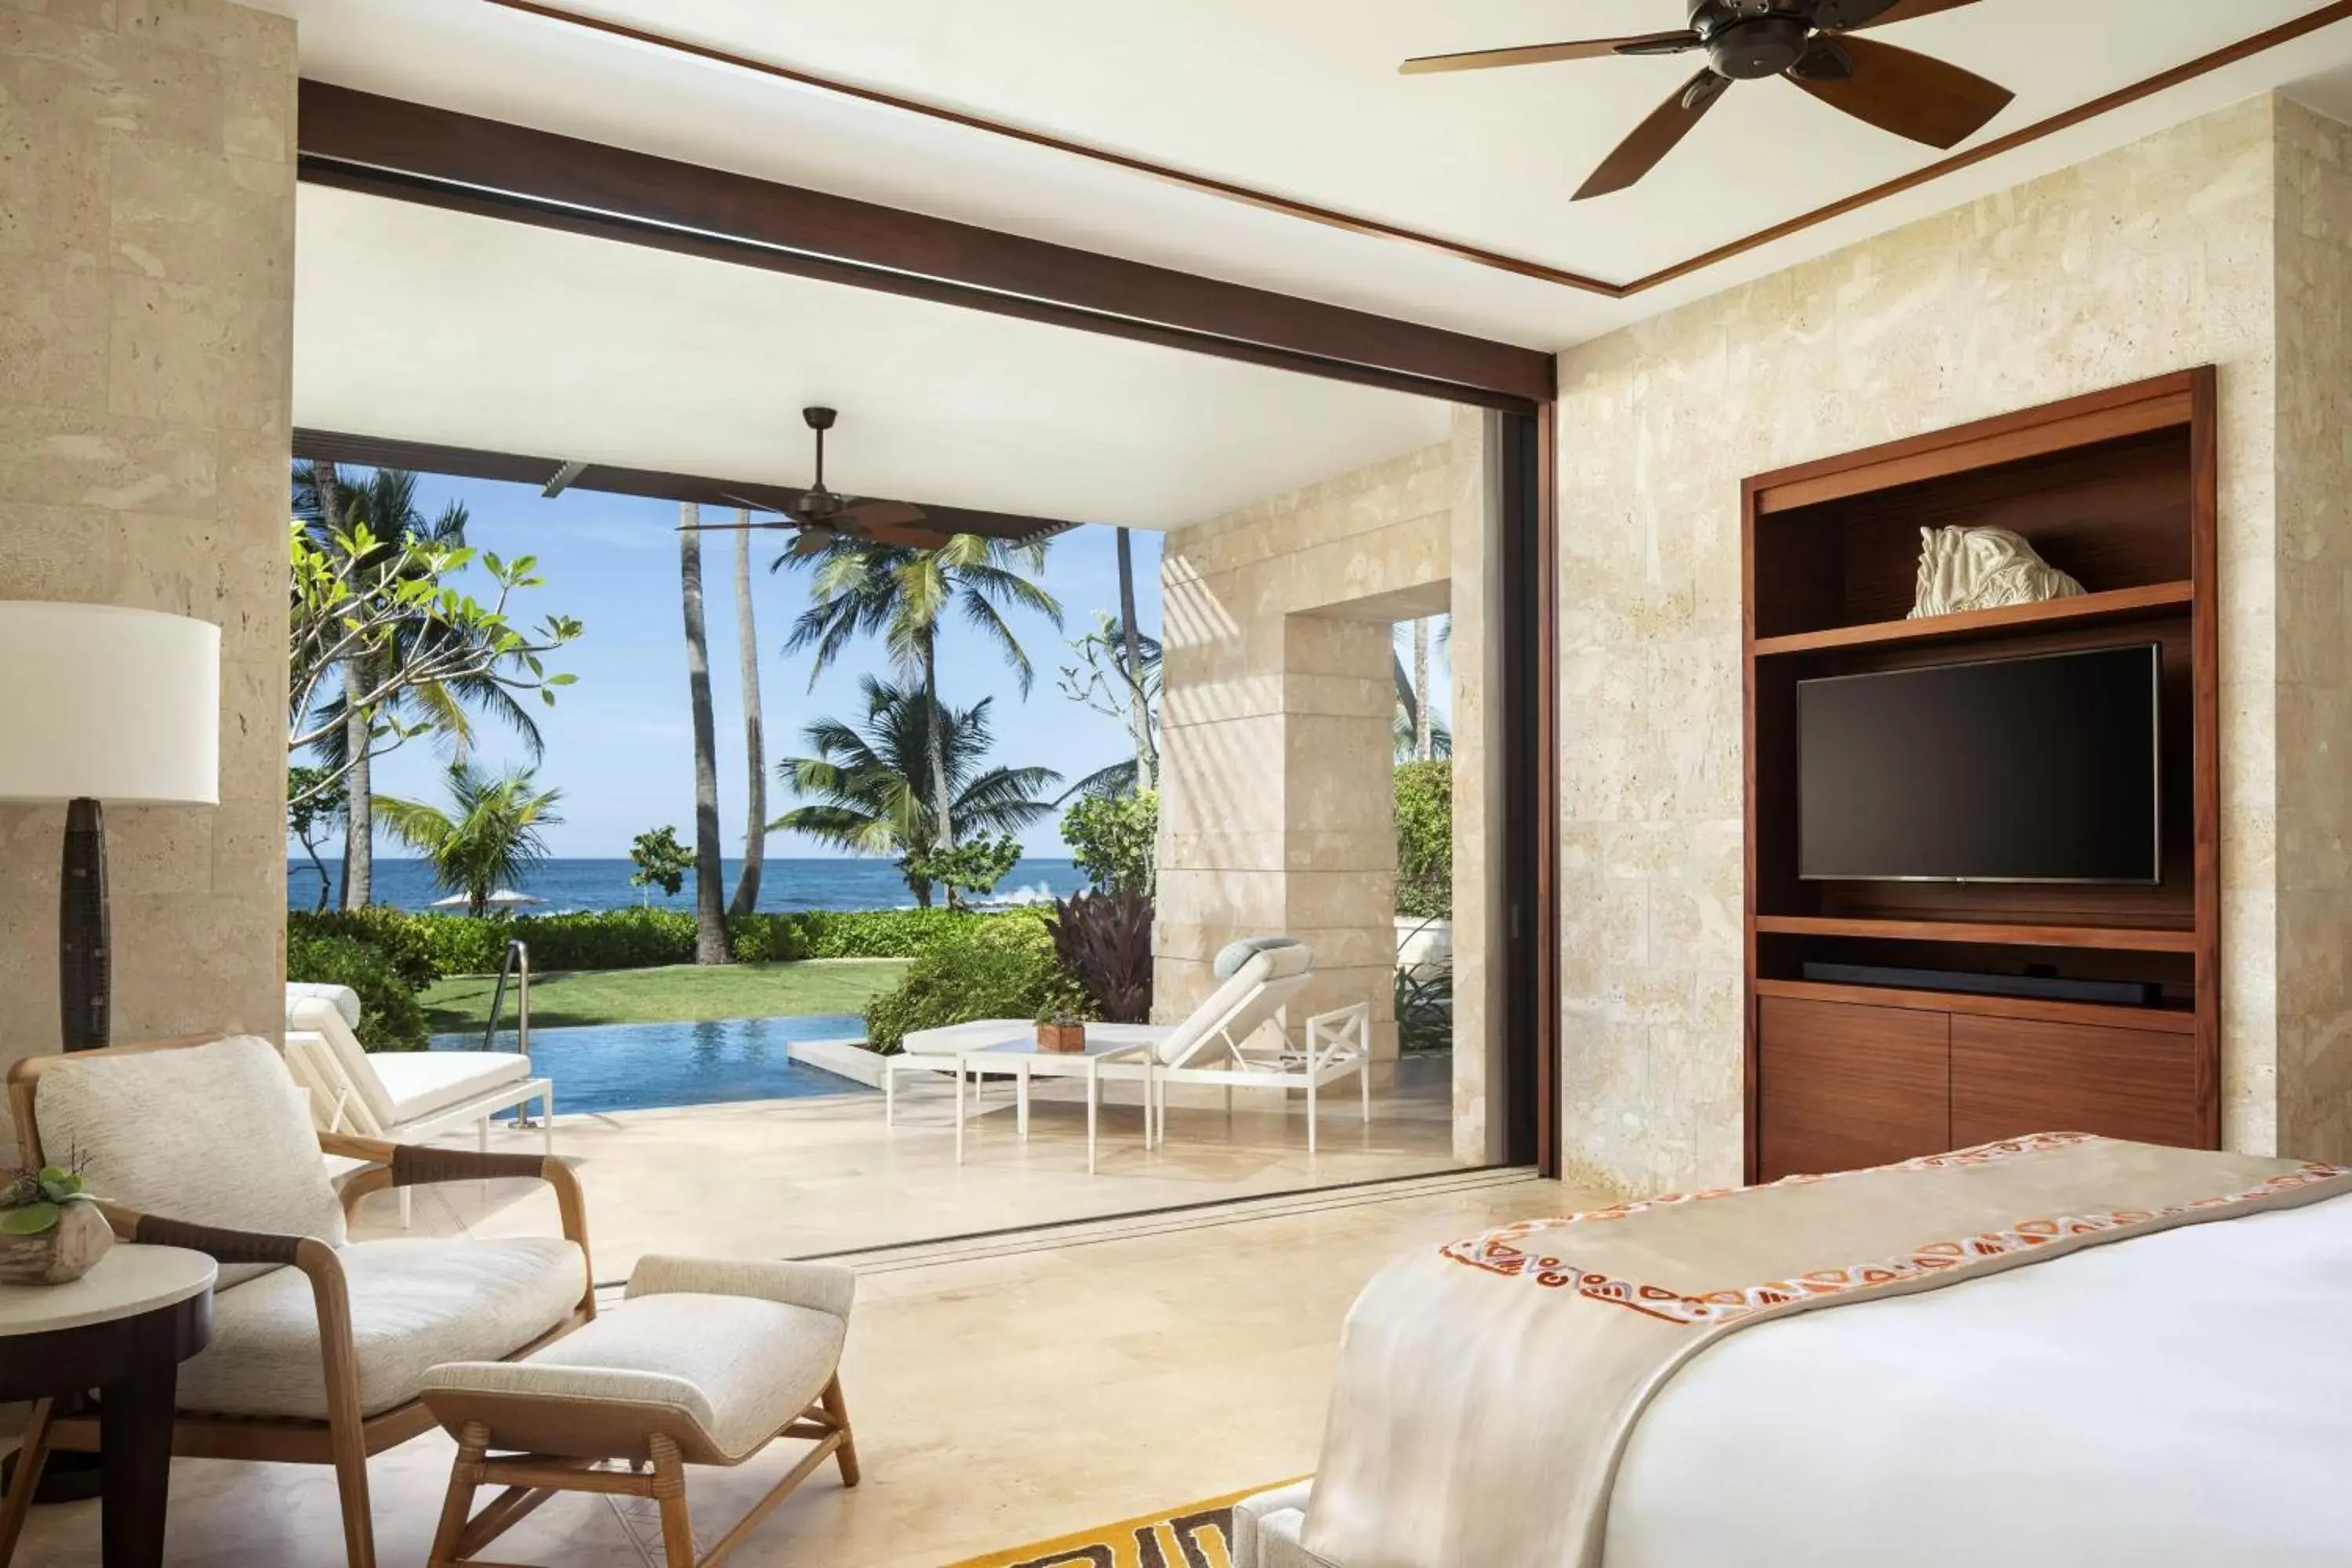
1749 40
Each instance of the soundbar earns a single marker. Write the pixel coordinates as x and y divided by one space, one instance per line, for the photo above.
2046 987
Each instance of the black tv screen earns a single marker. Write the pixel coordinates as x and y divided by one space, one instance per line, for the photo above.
2041 769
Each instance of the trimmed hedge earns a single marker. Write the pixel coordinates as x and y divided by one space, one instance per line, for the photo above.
390 1018
1424 829
426 947
1002 967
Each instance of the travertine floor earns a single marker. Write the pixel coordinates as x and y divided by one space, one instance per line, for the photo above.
997 1401
792 1178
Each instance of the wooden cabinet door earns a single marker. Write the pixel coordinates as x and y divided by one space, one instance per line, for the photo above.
1840 1086
2015 1075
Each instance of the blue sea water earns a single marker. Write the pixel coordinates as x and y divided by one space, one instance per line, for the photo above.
634 1067
809 883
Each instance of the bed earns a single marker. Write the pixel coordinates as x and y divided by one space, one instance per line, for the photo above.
2173 1385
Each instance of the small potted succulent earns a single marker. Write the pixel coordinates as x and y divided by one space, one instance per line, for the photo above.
50 1230
1061 1032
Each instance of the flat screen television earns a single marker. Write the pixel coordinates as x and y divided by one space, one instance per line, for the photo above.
2039 768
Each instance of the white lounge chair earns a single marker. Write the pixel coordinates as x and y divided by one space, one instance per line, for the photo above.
405 1096
1231 1040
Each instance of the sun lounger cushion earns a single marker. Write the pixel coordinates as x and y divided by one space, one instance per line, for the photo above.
1233 955
311 1016
422 1083
1248 999
342 998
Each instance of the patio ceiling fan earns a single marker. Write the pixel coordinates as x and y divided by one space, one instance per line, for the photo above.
1807 41
821 515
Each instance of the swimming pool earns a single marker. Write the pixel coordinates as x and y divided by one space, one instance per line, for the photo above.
637 1067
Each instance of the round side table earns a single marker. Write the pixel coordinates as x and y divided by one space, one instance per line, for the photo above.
123 1328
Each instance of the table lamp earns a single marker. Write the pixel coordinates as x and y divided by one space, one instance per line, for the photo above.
99 703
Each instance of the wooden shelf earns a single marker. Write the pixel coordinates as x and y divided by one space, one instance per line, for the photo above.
2121 939
2088 609
2170 1020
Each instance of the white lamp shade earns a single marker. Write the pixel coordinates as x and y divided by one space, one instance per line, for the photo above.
122 706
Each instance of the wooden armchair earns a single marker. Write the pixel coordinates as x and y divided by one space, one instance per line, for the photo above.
319 1344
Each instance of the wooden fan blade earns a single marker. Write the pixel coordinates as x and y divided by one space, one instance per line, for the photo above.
1657 136
879 513
1541 54
1879 13
733 527
903 538
1910 94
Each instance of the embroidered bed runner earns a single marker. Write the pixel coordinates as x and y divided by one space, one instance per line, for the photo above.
1486 1389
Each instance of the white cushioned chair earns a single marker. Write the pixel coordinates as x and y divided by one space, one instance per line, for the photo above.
407 1097
319 1344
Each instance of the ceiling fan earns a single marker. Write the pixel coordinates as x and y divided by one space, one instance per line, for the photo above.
1807 41
822 516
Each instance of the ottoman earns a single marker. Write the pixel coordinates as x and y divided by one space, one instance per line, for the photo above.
705 1363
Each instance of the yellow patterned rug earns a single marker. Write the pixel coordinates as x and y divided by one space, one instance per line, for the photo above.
1198 1535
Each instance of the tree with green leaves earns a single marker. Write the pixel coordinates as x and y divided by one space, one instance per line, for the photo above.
869 791
426 667
1113 839
905 597
1117 674
661 862
313 805
486 837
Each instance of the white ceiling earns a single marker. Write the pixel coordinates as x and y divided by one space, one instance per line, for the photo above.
420 325
1300 98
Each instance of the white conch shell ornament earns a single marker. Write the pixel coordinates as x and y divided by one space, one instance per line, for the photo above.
1982 569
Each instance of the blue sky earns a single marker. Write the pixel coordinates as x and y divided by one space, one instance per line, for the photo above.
619 743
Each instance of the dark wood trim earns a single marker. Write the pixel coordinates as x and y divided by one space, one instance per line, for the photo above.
1544 842
2205 677
2123 97
1525 267
410 152
1246 195
2119 939
2087 609
512 467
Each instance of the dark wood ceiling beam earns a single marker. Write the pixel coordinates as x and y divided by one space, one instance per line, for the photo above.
608 478
410 152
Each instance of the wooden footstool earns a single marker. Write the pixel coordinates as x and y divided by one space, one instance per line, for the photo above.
705 1363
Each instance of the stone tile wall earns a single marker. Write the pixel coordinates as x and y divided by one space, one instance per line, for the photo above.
146 324
1277 812
2156 256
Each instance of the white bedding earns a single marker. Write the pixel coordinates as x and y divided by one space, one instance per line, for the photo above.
2183 1400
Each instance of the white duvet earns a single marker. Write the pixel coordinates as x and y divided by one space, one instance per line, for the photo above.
2183 1400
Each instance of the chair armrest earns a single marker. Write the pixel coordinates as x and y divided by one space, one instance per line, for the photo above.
393 1164
215 1242
827 1287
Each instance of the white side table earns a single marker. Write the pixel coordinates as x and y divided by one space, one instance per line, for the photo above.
1112 1050
123 1328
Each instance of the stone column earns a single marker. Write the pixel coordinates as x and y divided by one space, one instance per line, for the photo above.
146 326
1277 809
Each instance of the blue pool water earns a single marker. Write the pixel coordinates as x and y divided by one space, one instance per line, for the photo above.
632 1067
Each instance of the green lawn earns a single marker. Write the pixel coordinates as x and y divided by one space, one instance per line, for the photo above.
677 994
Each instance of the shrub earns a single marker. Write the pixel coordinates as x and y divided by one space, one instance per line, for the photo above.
1113 838
390 1019
1424 829
852 933
598 939
1103 941
1005 968
404 940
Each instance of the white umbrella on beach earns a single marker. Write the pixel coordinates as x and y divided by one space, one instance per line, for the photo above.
504 899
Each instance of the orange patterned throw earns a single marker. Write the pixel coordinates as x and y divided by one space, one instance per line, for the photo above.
1486 1390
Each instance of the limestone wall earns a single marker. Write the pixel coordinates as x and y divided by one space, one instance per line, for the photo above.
146 324
2222 240
1277 810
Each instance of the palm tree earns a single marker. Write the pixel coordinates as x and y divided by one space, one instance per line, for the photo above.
709 916
755 749
386 504
1139 699
903 596
869 783
487 838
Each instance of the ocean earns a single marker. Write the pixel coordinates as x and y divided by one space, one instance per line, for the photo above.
809 883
